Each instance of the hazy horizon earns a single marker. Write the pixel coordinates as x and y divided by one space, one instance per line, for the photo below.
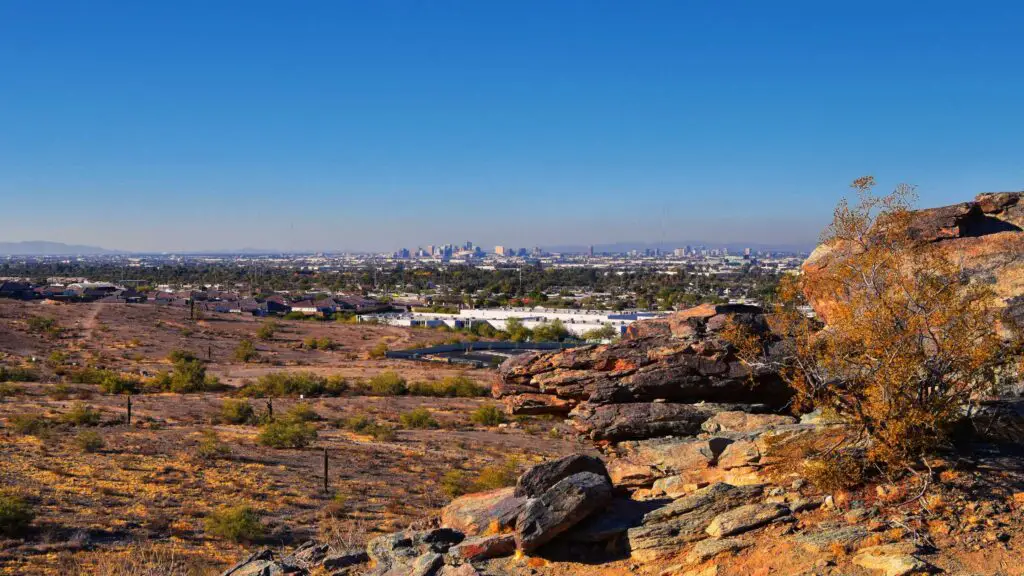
376 126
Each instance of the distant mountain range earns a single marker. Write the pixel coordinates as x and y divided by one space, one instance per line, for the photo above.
42 248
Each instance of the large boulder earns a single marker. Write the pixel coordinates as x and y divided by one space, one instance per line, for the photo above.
539 479
475 514
987 235
560 508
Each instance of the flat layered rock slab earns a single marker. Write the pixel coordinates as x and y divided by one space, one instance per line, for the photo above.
745 518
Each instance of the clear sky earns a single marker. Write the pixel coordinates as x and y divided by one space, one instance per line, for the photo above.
366 125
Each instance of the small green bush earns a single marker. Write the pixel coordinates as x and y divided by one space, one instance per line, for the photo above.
15 515
487 415
267 331
361 424
246 351
387 384
90 441
235 523
59 392
210 447
30 424
16 374
283 434
7 390
379 351
236 412
82 415
301 412
278 384
418 418
118 384
456 483
497 476
451 387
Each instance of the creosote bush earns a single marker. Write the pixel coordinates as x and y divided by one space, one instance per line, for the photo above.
451 387
82 415
16 515
30 424
456 483
246 351
287 434
387 384
487 415
283 384
89 441
210 447
379 351
362 424
236 412
418 418
17 374
910 340
235 523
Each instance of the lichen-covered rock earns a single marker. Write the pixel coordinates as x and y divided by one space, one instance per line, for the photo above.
619 422
538 479
744 422
560 508
745 518
665 530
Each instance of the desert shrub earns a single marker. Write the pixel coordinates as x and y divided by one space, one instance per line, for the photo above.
418 418
456 483
113 383
839 470
267 330
59 392
277 384
362 424
30 424
387 384
16 374
57 359
380 350
451 387
7 390
15 515
89 441
301 412
210 447
487 415
235 523
93 376
246 351
554 331
43 325
188 376
336 386
179 355
82 415
285 434
497 476
236 412
909 342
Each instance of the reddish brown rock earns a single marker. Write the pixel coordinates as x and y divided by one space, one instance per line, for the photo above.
986 234
475 514
484 548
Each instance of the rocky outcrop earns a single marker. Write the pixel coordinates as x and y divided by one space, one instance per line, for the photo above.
666 377
542 477
987 235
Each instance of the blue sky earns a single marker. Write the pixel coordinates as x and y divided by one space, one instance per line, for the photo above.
375 125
